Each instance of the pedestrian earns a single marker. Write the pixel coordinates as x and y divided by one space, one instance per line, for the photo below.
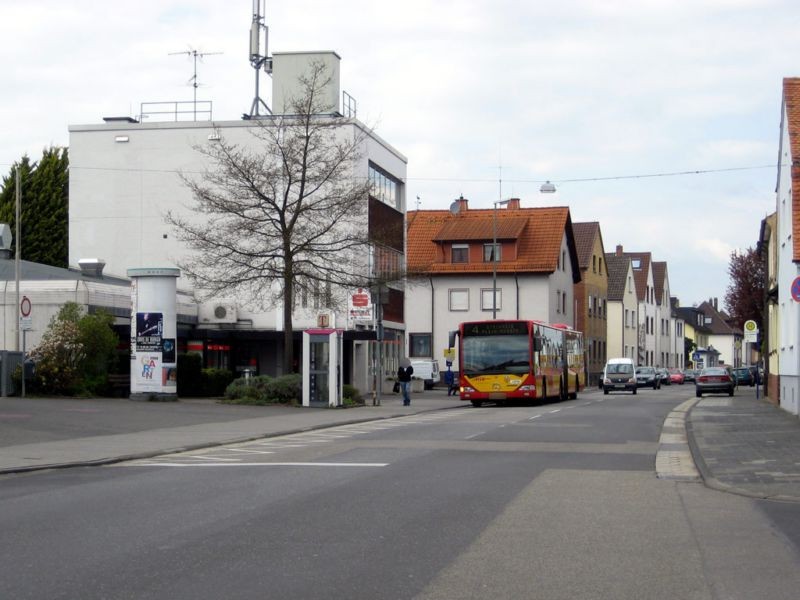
449 379
404 374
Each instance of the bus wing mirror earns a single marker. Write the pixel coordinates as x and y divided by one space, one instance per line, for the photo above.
452 339
537 343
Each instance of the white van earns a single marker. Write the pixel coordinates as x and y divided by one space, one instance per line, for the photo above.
427 369
619 374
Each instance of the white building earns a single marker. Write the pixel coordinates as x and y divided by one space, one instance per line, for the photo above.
788 242
623 307
126 175
451 266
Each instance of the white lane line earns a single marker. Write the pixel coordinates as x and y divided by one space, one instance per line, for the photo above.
534 417
211 458
246 451
253 464
586 404
469 437
554 411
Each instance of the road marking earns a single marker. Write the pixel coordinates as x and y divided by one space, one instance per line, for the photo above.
246 451
534 417
555 411
252 464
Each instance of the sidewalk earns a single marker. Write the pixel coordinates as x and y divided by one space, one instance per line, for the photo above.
746 446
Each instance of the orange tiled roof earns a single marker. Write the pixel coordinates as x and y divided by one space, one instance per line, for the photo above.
539 239
791 99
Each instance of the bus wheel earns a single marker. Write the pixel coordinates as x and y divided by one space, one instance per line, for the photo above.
476 403
562 390
574 395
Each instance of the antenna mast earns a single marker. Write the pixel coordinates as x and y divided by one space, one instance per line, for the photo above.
258 60
195 54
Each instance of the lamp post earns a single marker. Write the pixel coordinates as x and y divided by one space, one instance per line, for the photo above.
494 256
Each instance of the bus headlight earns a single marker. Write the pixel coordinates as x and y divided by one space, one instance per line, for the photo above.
527 388
465 389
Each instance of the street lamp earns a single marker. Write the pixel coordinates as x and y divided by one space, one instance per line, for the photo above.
494 255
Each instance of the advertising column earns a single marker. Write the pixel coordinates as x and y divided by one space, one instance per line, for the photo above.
154 372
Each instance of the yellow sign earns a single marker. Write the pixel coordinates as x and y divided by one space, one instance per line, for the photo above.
450 354
750 326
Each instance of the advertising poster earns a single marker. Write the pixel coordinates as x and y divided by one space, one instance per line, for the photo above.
168 350
147 371
149 329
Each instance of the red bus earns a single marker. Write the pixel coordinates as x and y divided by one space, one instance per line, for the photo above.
505 360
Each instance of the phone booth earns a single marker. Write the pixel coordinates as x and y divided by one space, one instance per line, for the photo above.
322 367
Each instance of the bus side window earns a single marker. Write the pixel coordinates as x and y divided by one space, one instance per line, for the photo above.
537 343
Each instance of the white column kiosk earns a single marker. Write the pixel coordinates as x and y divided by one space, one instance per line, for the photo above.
154 371
322 367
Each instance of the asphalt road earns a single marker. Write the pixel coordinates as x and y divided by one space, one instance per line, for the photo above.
548 501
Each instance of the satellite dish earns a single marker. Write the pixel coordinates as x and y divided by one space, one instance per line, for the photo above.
455 207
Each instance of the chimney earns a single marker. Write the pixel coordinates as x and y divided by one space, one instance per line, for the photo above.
513 203
619 249
92 267
715 304
463 204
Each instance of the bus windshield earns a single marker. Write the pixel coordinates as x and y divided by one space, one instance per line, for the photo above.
495 354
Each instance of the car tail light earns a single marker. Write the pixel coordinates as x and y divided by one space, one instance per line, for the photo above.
703 379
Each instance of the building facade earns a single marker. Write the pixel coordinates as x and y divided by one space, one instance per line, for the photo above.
623 307
591 297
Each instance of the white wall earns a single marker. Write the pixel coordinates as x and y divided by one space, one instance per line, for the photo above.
120 192
789 336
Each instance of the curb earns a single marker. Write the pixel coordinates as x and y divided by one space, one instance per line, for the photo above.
674 459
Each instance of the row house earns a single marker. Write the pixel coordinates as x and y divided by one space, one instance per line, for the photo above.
786 232
622 333
642 265
591 297
723 337
669 330
470 264
698 333
768 250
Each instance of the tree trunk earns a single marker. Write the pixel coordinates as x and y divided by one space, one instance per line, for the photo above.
288 334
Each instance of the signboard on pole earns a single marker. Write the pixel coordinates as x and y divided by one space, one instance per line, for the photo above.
750 332
359 307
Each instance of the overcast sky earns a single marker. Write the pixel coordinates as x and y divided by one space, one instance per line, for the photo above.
485 99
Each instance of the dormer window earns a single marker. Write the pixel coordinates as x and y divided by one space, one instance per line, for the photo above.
460 253
636 263
492 253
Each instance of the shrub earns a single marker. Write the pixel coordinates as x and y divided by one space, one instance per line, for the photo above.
215 381
264 389
351 395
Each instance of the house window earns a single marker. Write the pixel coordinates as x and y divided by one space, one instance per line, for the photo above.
486 299
384 187
459 299
636 263
492 252
626 317
419 344
589 306
558 301
564 303
563 260
460 253
594 264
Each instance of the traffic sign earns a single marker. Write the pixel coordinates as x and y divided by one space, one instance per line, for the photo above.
796 289
25 307
25 323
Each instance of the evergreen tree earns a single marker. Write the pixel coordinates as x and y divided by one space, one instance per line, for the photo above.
45 206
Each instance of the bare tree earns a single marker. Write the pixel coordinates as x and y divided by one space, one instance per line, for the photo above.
286 212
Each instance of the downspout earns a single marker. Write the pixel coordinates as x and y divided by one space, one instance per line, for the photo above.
433 310
516 282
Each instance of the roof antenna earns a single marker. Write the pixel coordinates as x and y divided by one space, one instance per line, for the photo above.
257 59
195 55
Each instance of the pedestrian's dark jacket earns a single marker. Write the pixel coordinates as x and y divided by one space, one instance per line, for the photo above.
405 373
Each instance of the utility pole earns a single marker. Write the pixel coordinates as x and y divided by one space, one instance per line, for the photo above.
18 255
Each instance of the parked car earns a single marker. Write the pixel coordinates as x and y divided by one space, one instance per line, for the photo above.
426 369
714 379
689 375
663 376
744 376
676 376
647 377
619 375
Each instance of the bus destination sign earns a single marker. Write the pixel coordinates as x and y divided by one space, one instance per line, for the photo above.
496 328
